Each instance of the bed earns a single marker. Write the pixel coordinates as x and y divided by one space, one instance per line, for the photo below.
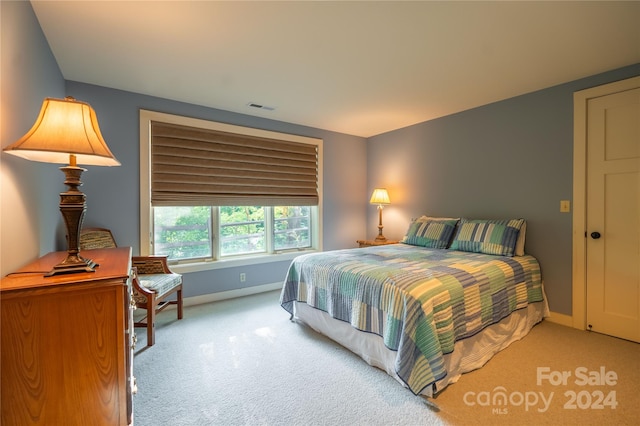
441 303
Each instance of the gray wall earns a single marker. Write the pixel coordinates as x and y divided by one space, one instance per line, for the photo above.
29 190
31 221
113 192
509 159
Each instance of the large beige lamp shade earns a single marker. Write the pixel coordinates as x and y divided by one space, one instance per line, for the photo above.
67 131
380 197
64 127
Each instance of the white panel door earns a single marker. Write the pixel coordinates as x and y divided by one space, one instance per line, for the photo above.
613 214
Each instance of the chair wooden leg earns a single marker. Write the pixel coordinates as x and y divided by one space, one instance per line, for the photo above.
151 321
179 296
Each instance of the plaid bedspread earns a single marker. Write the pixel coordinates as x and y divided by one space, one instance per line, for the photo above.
421 301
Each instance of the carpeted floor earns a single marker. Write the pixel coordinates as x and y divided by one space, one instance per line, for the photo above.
242 362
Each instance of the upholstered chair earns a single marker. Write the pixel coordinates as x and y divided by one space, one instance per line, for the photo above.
154 284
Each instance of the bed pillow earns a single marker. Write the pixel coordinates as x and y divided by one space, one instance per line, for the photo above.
430 232
497 237
519 251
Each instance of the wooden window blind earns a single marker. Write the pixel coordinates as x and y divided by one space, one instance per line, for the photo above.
195 166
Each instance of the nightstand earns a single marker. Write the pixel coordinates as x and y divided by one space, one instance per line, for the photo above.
369 243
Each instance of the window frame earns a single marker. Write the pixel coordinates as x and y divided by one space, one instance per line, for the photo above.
146 210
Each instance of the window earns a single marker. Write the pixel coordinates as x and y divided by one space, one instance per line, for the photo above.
212 193
292 227
242 230
185 233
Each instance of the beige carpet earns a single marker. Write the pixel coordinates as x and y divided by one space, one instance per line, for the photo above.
242 362
553 352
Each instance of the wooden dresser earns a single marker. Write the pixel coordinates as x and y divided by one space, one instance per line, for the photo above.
66 354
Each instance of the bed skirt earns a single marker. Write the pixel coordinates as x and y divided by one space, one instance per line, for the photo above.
468 354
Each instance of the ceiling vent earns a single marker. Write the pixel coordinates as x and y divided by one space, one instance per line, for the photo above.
260 106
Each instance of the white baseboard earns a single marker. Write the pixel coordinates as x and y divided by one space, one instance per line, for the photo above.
230 294
561 319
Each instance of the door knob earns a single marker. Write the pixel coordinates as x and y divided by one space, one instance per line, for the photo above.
595 235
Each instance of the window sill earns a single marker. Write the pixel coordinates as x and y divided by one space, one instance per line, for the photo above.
183 268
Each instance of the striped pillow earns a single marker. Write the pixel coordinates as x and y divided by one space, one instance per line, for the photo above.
497 237
430 233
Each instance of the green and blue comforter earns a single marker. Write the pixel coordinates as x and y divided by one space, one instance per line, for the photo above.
419 300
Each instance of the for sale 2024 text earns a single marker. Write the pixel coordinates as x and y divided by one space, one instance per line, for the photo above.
596 399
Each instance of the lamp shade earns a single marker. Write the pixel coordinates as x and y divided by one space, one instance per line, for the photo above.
64 127
380 196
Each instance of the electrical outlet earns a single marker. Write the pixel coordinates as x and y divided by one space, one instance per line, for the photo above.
243 277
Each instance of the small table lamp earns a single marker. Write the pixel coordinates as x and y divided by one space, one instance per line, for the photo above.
381 198
67 131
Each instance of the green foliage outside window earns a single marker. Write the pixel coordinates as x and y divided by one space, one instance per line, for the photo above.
292 227
241 229
185 232
182 232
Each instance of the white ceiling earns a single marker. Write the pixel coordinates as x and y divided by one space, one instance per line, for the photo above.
361 68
